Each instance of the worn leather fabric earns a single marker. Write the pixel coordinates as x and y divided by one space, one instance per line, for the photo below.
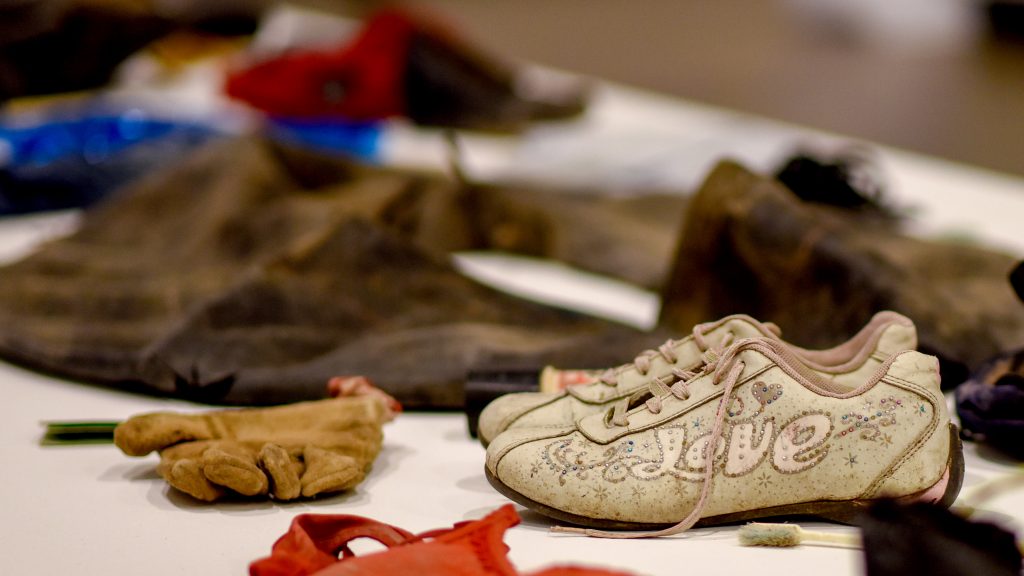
251 274
361 301
749 246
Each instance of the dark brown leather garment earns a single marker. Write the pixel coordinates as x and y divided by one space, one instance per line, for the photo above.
450 83
85 305
363 301
251 274
750 246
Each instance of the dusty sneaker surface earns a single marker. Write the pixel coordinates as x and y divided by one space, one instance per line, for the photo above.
886 334
756 433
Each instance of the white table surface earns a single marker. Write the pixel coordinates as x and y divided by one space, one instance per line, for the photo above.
91 510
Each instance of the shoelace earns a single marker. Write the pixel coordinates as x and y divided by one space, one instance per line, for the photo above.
723 368
642 362
677 383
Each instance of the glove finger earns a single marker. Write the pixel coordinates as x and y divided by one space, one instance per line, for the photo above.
283 471
329 471
236 470
140 435
187 475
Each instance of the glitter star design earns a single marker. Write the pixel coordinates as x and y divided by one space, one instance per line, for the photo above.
601 493
639 492
886 439
698 422
922 409
763 479
534 470
851 460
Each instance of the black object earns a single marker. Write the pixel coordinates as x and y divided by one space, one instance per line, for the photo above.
1017 280
1006 18
46 51
81 51
749 246
928 539
991 404
483 386
447 84
845 181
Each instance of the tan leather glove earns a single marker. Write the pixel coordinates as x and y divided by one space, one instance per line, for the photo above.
304 449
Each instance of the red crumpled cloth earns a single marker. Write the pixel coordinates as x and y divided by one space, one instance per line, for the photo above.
366 74
314 541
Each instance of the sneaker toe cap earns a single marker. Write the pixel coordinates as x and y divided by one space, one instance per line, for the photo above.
516 410
513 448
522 461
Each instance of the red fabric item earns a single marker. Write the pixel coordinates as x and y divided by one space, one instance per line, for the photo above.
359 81
313 542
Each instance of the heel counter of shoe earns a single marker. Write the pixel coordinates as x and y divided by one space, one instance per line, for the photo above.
927 456
896 336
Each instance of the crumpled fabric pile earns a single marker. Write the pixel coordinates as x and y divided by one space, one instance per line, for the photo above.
251 274
749 246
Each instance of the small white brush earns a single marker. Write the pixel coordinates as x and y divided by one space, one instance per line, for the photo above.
783 535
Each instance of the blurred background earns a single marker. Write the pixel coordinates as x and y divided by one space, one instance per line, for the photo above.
942 77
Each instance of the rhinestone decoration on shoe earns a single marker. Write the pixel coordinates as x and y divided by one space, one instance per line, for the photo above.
671 451
870 419
678 450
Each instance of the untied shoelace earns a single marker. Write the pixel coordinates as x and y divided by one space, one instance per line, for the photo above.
724 368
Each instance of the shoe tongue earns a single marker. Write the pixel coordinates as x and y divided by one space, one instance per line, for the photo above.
710 356
639 398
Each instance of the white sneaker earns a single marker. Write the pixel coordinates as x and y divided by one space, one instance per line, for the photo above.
886 334
755 432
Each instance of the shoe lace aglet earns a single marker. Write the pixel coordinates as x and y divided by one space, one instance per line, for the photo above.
590 532
569 530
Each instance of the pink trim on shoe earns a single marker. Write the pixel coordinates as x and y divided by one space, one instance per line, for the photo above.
930 495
